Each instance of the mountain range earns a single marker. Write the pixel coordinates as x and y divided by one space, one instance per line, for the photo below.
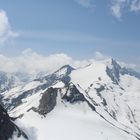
98 101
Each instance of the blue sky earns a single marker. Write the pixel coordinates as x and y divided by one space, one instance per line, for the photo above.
75 27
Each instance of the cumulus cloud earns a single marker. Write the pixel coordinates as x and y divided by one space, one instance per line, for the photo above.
119 7
5 29
86 3
33 63
131 66
100 56
135 6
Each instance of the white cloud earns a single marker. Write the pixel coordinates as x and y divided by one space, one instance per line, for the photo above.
32 63
131 66
119 7
116 9
135 6
86 3
100 56
5 29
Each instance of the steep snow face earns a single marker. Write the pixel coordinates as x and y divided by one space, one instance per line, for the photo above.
98 101
91 74
131 85
112 89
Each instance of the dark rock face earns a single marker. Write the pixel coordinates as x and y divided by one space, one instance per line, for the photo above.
7 127
130 72
73 95
99 90
114 72
48 101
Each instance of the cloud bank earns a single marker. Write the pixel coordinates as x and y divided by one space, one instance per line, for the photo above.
33 63
5 29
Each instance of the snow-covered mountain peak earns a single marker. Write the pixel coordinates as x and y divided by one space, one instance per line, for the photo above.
90 74
110 67
103 91
64 70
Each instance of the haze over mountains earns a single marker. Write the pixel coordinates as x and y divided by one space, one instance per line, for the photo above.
96 101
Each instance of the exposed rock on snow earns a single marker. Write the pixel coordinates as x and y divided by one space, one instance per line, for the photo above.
8 128
72 94
48 101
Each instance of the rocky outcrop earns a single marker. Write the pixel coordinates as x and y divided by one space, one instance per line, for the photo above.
72 94
48 101
7 127
114 71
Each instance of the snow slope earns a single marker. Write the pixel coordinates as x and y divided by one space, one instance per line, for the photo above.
77 123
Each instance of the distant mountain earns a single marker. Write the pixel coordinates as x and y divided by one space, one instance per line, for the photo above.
99 101
10 80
